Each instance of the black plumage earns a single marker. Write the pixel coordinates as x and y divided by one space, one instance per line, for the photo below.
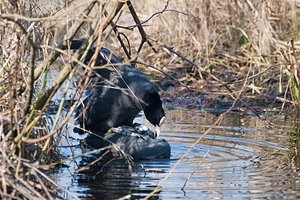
120 93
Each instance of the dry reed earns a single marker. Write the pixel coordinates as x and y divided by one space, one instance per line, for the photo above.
225 37
202 43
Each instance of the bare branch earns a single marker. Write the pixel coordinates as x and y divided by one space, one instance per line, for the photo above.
141 29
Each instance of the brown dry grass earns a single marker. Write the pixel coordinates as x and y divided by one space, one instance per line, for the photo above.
227 38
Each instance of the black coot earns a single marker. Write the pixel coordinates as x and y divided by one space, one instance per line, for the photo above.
119 94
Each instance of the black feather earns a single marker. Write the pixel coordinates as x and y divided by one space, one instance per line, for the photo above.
120 93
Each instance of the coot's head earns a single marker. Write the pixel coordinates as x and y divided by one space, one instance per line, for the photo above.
154 111
104 57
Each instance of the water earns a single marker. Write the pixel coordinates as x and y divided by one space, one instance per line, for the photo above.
240 158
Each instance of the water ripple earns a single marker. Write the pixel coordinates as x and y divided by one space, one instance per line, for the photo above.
241 158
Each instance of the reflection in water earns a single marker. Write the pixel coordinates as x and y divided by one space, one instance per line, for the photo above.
116 181
242 157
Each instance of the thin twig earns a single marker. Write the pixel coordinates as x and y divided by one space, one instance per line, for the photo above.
199 139
141 29
66 70
21 189
93 162
193 172
161 71
42 185
157 13
260 73
232 95
50 180
55 85
29 187
54 54
31 82
22 28
114 27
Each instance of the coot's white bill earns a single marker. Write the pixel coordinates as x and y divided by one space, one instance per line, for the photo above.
157 127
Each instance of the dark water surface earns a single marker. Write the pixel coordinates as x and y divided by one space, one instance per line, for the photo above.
241 158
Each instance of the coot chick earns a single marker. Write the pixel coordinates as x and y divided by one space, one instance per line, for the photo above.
122 91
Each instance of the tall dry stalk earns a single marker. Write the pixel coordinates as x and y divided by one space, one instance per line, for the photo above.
220 36
224 36
33 35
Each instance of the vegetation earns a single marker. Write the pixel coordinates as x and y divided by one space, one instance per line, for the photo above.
207 46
